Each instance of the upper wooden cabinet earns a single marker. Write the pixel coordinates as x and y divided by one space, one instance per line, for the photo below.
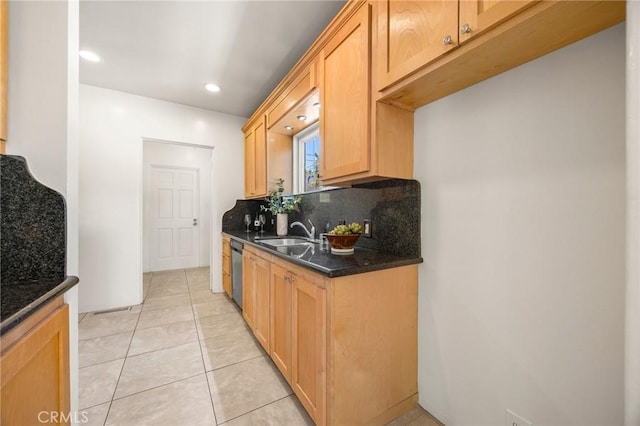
361 140
4 47
412 34
255 160
477 16
345 99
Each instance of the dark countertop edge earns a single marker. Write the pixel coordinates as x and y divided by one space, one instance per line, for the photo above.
329 272
9 323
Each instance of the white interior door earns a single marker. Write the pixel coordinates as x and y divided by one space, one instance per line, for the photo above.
173 215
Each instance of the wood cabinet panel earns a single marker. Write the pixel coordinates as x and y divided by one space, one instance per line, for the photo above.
35 372
301 89
309 347
248 287
249 164
226 266
345 99
281 312
477 16
411 34
261 308
255 161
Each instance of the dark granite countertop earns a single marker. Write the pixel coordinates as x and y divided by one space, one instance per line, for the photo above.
21 299
323 261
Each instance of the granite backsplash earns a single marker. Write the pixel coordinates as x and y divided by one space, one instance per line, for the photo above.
392 206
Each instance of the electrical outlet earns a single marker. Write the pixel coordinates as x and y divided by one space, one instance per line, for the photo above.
512 419
366 228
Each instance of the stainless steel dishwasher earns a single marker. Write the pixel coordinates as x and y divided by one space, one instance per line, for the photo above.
236 271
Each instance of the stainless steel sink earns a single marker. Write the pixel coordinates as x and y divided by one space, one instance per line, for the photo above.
285 242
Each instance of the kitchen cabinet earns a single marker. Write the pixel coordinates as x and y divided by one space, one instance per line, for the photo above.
308 332
477 16
346 345
256 281
281 312
35 367
411 34
361 139
255 160
226 266
4 59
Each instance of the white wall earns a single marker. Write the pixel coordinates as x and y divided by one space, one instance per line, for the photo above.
42 118
166 155
632 323
112 125
523 235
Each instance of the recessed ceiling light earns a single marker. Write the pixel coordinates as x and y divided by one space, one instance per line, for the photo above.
288 128
89 56
302 117
316 104
212 87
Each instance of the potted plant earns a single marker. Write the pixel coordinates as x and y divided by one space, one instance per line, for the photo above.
280 205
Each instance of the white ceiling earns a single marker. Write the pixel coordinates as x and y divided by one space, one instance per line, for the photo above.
169 49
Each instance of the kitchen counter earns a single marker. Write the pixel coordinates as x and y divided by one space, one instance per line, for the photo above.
323 261
21 299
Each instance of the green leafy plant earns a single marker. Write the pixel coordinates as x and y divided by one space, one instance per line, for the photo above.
277 202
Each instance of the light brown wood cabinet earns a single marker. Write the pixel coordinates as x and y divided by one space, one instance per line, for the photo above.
411 34
361 139
226 266
35 370
255 160
4 60
348 345
256 281
477 16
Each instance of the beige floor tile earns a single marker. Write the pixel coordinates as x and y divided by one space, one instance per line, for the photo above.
185 402
243 387
166 301
216 325
80 316
156 317
146 278
93 326
287 411
202 295
163 336
158 368
199 285
229 348
168 289
97 382
216 306
407 417
423 420
103 349
94 416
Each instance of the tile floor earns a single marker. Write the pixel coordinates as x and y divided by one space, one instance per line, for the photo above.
184 357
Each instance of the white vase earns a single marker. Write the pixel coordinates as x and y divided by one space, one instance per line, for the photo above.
282 222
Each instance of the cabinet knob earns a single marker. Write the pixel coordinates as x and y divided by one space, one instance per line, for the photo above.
465 29
447 40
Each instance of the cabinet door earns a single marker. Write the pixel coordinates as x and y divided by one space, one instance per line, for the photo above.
309 347
412 34
477 16
344 95
262 279
281 320
35 373
260 160
248 287
249 164
226 267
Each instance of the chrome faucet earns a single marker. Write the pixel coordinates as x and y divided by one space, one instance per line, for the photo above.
310 233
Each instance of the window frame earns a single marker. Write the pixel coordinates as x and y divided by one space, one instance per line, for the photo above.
298 157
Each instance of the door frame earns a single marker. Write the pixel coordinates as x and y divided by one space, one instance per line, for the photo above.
142 209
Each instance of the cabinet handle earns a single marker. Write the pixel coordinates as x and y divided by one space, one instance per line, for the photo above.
465 29
447 40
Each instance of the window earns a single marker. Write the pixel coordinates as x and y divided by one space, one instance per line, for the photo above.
306 159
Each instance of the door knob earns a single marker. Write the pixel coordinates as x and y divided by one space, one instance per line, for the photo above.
195 222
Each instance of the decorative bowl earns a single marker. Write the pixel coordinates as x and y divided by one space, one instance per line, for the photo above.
342 243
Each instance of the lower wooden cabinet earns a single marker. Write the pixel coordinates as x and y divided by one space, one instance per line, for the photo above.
35 373
226 266
281 312
256 281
